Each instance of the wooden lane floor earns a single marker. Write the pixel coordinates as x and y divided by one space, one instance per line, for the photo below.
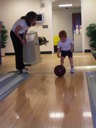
46 101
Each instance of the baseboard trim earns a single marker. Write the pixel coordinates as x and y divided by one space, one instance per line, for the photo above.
9 54
45 52
87 50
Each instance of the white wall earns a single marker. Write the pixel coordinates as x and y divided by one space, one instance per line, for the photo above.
88 9
11 10
48 33
62 19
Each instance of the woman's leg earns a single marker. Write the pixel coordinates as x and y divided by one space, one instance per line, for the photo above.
18 47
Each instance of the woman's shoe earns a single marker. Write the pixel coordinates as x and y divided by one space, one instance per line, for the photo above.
24 71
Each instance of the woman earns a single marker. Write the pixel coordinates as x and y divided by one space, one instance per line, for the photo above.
18 33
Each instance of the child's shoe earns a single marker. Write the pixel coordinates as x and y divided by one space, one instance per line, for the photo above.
72 70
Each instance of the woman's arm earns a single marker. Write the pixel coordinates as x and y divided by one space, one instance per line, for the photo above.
25 35
17 29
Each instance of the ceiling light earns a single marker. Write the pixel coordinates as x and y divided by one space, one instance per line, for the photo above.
65 5
53 0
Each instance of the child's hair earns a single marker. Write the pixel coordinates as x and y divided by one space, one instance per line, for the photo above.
29 16
62 34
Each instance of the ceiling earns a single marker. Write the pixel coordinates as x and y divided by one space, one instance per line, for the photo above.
55 3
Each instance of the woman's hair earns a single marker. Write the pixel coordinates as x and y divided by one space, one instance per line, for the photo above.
62 34
29 16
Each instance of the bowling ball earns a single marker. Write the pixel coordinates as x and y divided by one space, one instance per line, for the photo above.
59 70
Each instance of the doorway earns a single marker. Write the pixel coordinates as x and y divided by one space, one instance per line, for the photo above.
76 29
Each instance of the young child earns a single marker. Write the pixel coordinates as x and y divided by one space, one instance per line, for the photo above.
65 48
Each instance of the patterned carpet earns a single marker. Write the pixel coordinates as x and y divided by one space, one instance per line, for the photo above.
10 81
91 80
